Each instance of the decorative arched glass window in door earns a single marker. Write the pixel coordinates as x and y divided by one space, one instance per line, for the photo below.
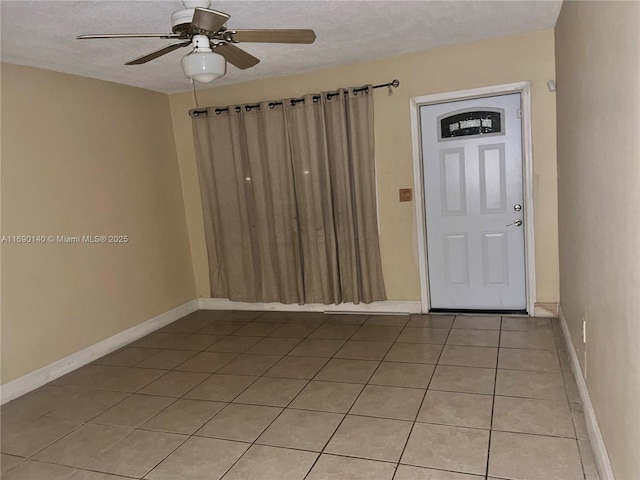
464 123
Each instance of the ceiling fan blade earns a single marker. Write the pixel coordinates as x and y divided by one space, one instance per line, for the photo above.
158 53
206 20
236 56
274 36
129 35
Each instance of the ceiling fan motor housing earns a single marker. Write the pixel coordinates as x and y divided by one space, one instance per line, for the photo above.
181 19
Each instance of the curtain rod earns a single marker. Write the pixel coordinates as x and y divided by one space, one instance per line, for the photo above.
196 113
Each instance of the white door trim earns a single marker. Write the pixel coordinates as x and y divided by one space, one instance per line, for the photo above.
527 180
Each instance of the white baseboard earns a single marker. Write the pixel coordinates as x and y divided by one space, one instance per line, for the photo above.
386 307
595 436
31 381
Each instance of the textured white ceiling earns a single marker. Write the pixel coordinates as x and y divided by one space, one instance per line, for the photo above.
42 33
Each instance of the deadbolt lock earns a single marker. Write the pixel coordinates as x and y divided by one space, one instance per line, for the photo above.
517 207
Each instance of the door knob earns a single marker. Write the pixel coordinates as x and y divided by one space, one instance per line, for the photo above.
517 223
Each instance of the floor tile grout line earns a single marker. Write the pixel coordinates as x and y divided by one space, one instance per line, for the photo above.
493 401
83 469
209 375
342 455
76 468
449 471
546 435
422 402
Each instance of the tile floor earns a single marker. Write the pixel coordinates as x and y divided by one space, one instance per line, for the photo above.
279 396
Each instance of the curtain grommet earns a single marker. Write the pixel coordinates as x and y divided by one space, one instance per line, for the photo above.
238 109
272 106
247 108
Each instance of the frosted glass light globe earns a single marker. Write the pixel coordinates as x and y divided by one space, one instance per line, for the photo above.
204 67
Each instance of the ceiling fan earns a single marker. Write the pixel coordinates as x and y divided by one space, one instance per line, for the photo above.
213 44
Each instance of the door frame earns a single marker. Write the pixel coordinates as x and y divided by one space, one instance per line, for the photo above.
415 103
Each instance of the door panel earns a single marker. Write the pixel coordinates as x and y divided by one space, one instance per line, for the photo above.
453 182
456 260
495 259
472 164
493 182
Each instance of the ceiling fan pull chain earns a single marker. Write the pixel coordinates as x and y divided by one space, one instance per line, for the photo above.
193 92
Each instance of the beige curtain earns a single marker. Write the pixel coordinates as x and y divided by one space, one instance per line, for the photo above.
288 193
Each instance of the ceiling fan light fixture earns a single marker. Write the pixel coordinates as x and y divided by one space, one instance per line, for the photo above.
203 65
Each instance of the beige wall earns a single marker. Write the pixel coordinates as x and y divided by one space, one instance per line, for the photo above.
86 157
598 69
490 62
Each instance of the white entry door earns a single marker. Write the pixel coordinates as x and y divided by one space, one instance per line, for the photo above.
472 164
